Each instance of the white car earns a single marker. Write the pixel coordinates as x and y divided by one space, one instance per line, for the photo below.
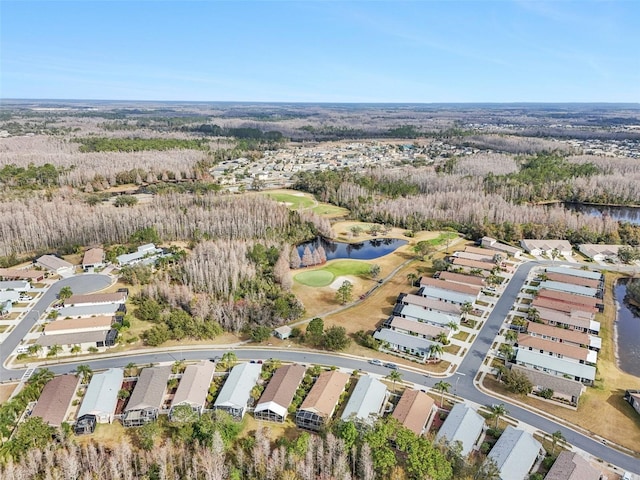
375 361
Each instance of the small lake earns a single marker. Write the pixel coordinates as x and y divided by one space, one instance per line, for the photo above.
628 332
622 214
367 250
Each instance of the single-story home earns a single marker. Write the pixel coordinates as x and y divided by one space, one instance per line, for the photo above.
433 317
576 272
556 366
557 349
401 342
79 325
489 242
572 279
147 397
194 387
236 391
56 265
546 247
573 319
21 274
428 303
55 400
515 453
564 335
564 388
100 400
464 425
96 299
366 401
148 251
84 340
572 466
93 258
274 403
17 285
462 278
599 253
321 401
414 410
282 332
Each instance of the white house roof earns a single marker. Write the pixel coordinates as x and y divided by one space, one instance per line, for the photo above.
367 399
545 245
430 316
51 262
9 296
464 425
591 250
102 393
421 328
576 272
237 388
447 295
15 285
108 309
569 288
72 338
194 385
430 303
515 453
529 357
404 340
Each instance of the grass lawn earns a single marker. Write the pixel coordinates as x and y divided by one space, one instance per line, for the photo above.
462 336
108 435
294 200
328 210
3 328
315 278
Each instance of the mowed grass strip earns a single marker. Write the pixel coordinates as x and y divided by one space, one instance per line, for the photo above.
328 210
294 202
315 278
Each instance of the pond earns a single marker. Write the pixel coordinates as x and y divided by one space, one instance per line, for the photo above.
367 250
627 332
622 214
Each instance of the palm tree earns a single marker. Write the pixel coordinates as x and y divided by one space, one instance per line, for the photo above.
85 372
435 350
130 369
442 338
41 377
511 336
76 349
533 315
34 350
394 376
442 387
178 366
65 293
556 437
555 253
412 278
506 350
453 326
54 350
498 411
229 358
465 309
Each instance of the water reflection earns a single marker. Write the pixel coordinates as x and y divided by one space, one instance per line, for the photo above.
628 331
622 214
368 250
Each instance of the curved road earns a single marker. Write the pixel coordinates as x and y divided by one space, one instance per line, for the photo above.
464 377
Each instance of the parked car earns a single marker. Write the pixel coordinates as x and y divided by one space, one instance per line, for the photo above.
392 366
375 361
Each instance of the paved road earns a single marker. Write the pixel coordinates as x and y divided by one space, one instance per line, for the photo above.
79 284
462 381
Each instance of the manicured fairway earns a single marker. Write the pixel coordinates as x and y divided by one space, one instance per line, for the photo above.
293 201
315 278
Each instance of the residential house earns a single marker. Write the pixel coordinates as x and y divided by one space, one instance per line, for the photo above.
415 327
436 283
556 366
428 303
569 288
572 279
486 256
282 332
92 259
468 265
366 401
567 389
447 296
236 392
575 272
572 320
433 317
463 279
56 265
572 466
84 340
546 247
414 410
546 303
10 297
320 403
401 342
600 253
515 453
96 299
557 349
574 299
15 285
489 242
464 425
21 274
100 400
144 254
194 387
564 335
274 403
100 309
146 400
78 325
55 400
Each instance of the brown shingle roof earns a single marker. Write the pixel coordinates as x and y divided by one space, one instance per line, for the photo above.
415 326
325 393
560 385
93 256
283 385
540 302
465 262
564 349
570 298
488 253
430 303
452 286
413 410
460 278
573 280
150 388
102 322
16 273
55 399
115 297
194 385
571 466
564 334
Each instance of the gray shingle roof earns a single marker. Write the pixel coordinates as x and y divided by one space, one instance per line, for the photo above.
367 399
150 388
237 388
515 452
463 425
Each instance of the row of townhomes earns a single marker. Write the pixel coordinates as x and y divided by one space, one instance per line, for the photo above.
84 322
515 453
430 316
557 347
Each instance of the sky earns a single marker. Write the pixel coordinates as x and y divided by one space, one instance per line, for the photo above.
419 51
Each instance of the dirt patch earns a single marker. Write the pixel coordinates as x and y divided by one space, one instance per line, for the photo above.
6 390
337 283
